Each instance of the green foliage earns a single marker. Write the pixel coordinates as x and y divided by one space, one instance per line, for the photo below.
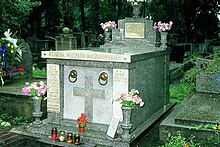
214 139
201 23
14 13
178 140
7 120
39 72
189 76
201 126
210 65
180 91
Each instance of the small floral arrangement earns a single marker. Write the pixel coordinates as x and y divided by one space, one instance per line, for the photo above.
81 121
35 89
108 26
132 99
13 71
163 27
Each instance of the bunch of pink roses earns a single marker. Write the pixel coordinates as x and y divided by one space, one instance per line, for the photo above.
107 26
36 89
162 27
132 99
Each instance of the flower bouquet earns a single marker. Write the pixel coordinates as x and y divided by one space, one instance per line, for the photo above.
132 99
108 26
10 56
81 121
162 27
35 89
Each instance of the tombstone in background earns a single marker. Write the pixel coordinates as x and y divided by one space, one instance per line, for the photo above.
80 39
65 41
27 60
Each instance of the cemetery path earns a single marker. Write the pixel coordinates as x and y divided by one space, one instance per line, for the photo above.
8 139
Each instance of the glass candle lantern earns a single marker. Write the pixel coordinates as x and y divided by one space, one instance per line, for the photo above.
54 133
76 139
62 136
69 137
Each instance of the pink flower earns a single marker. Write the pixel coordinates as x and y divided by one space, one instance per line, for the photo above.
108 25
35 89
131 99
163 26
25 91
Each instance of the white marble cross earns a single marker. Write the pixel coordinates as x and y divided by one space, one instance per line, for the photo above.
89 94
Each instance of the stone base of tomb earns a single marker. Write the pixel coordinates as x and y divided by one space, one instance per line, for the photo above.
94 136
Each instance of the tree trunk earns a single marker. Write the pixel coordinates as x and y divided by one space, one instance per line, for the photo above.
82 5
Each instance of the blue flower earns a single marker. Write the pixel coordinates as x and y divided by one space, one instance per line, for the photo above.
218 78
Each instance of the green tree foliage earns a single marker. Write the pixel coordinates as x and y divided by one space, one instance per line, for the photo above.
194 20
14 13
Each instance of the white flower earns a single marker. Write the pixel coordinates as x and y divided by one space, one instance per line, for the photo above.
136 92
129 98
12 40
41 83
142 104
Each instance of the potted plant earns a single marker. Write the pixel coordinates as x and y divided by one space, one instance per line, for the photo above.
37 90
81 121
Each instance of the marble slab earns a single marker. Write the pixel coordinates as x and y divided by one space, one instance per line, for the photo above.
87 96
87 55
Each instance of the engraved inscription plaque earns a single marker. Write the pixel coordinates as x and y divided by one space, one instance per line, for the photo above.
134 30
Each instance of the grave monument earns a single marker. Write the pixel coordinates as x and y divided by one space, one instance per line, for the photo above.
87 81
66 40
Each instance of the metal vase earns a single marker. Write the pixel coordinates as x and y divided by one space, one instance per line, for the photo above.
126 124
37 110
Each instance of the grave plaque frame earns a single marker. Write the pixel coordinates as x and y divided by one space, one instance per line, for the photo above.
134 30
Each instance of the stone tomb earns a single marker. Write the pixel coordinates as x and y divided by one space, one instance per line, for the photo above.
76 87
136 32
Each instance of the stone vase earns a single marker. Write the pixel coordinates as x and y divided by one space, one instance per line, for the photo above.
136 9
163 39
37 110
126 124
108 35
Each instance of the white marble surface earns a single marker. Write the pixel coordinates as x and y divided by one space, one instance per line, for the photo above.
87 55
